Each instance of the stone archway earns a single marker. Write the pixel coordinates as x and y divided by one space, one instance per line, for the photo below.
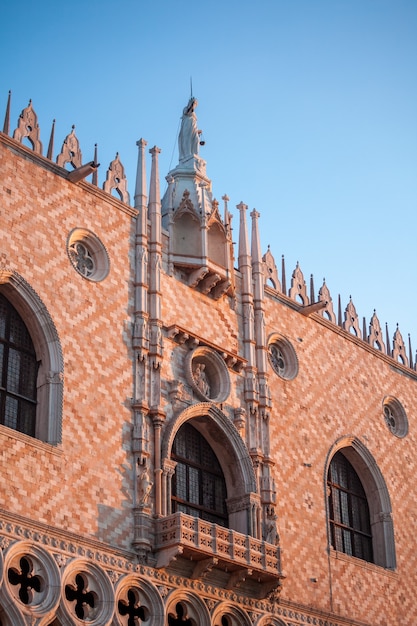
242 500
48 352
377 496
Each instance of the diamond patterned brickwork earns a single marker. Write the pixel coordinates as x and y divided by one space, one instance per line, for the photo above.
92 320
215 320
85 484
339 392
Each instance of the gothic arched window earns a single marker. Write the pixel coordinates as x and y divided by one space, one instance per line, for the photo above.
350 527
18 372
198 485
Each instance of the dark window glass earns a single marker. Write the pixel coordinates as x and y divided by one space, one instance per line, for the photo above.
350 527
198 485
18 371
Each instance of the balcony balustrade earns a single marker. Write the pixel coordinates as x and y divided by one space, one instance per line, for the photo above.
212 546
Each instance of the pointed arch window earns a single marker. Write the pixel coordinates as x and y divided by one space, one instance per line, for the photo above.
198 484
349 518
18 372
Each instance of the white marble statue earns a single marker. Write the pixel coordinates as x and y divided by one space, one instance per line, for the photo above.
188 139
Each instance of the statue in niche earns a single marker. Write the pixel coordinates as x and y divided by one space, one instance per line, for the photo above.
200 378
270 527
188 138
144 483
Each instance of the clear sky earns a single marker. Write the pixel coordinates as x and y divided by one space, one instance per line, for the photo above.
308 110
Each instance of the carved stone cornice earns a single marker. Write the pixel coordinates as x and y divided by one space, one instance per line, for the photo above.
183 336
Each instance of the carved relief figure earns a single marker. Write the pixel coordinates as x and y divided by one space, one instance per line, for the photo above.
188 138
200 378
270 533
144 484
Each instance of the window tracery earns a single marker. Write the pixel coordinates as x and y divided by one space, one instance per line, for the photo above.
198 488
18 370
45 369
282 357
395 417
359 505
350 527
88 255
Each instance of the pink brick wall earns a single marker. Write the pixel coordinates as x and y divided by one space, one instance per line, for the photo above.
84 484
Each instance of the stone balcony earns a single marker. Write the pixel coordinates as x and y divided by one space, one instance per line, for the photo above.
212 547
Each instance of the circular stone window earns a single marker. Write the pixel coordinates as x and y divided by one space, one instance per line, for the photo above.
88 255
207 374
282 357
395 416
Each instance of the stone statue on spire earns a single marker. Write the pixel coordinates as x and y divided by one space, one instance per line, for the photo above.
188 139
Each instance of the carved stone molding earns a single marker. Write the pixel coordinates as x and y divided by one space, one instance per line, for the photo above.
184 336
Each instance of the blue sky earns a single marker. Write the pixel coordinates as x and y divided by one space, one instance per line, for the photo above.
308 110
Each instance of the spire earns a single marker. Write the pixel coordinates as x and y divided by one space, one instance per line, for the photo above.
284 278
388 340
155 258
312 296
6 127
410 352
154 190
256 244
94 179
140 189
243 257
49 154
259 318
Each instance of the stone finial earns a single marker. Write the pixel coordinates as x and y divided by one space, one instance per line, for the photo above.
243 234
271 270
226 213
351 323
398 348
324 296
141 194
116 179
186 206
28 126
375 334
298 289
154 186
214 215
70 151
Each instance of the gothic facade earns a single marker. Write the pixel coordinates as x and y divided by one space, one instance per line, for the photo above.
185 439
